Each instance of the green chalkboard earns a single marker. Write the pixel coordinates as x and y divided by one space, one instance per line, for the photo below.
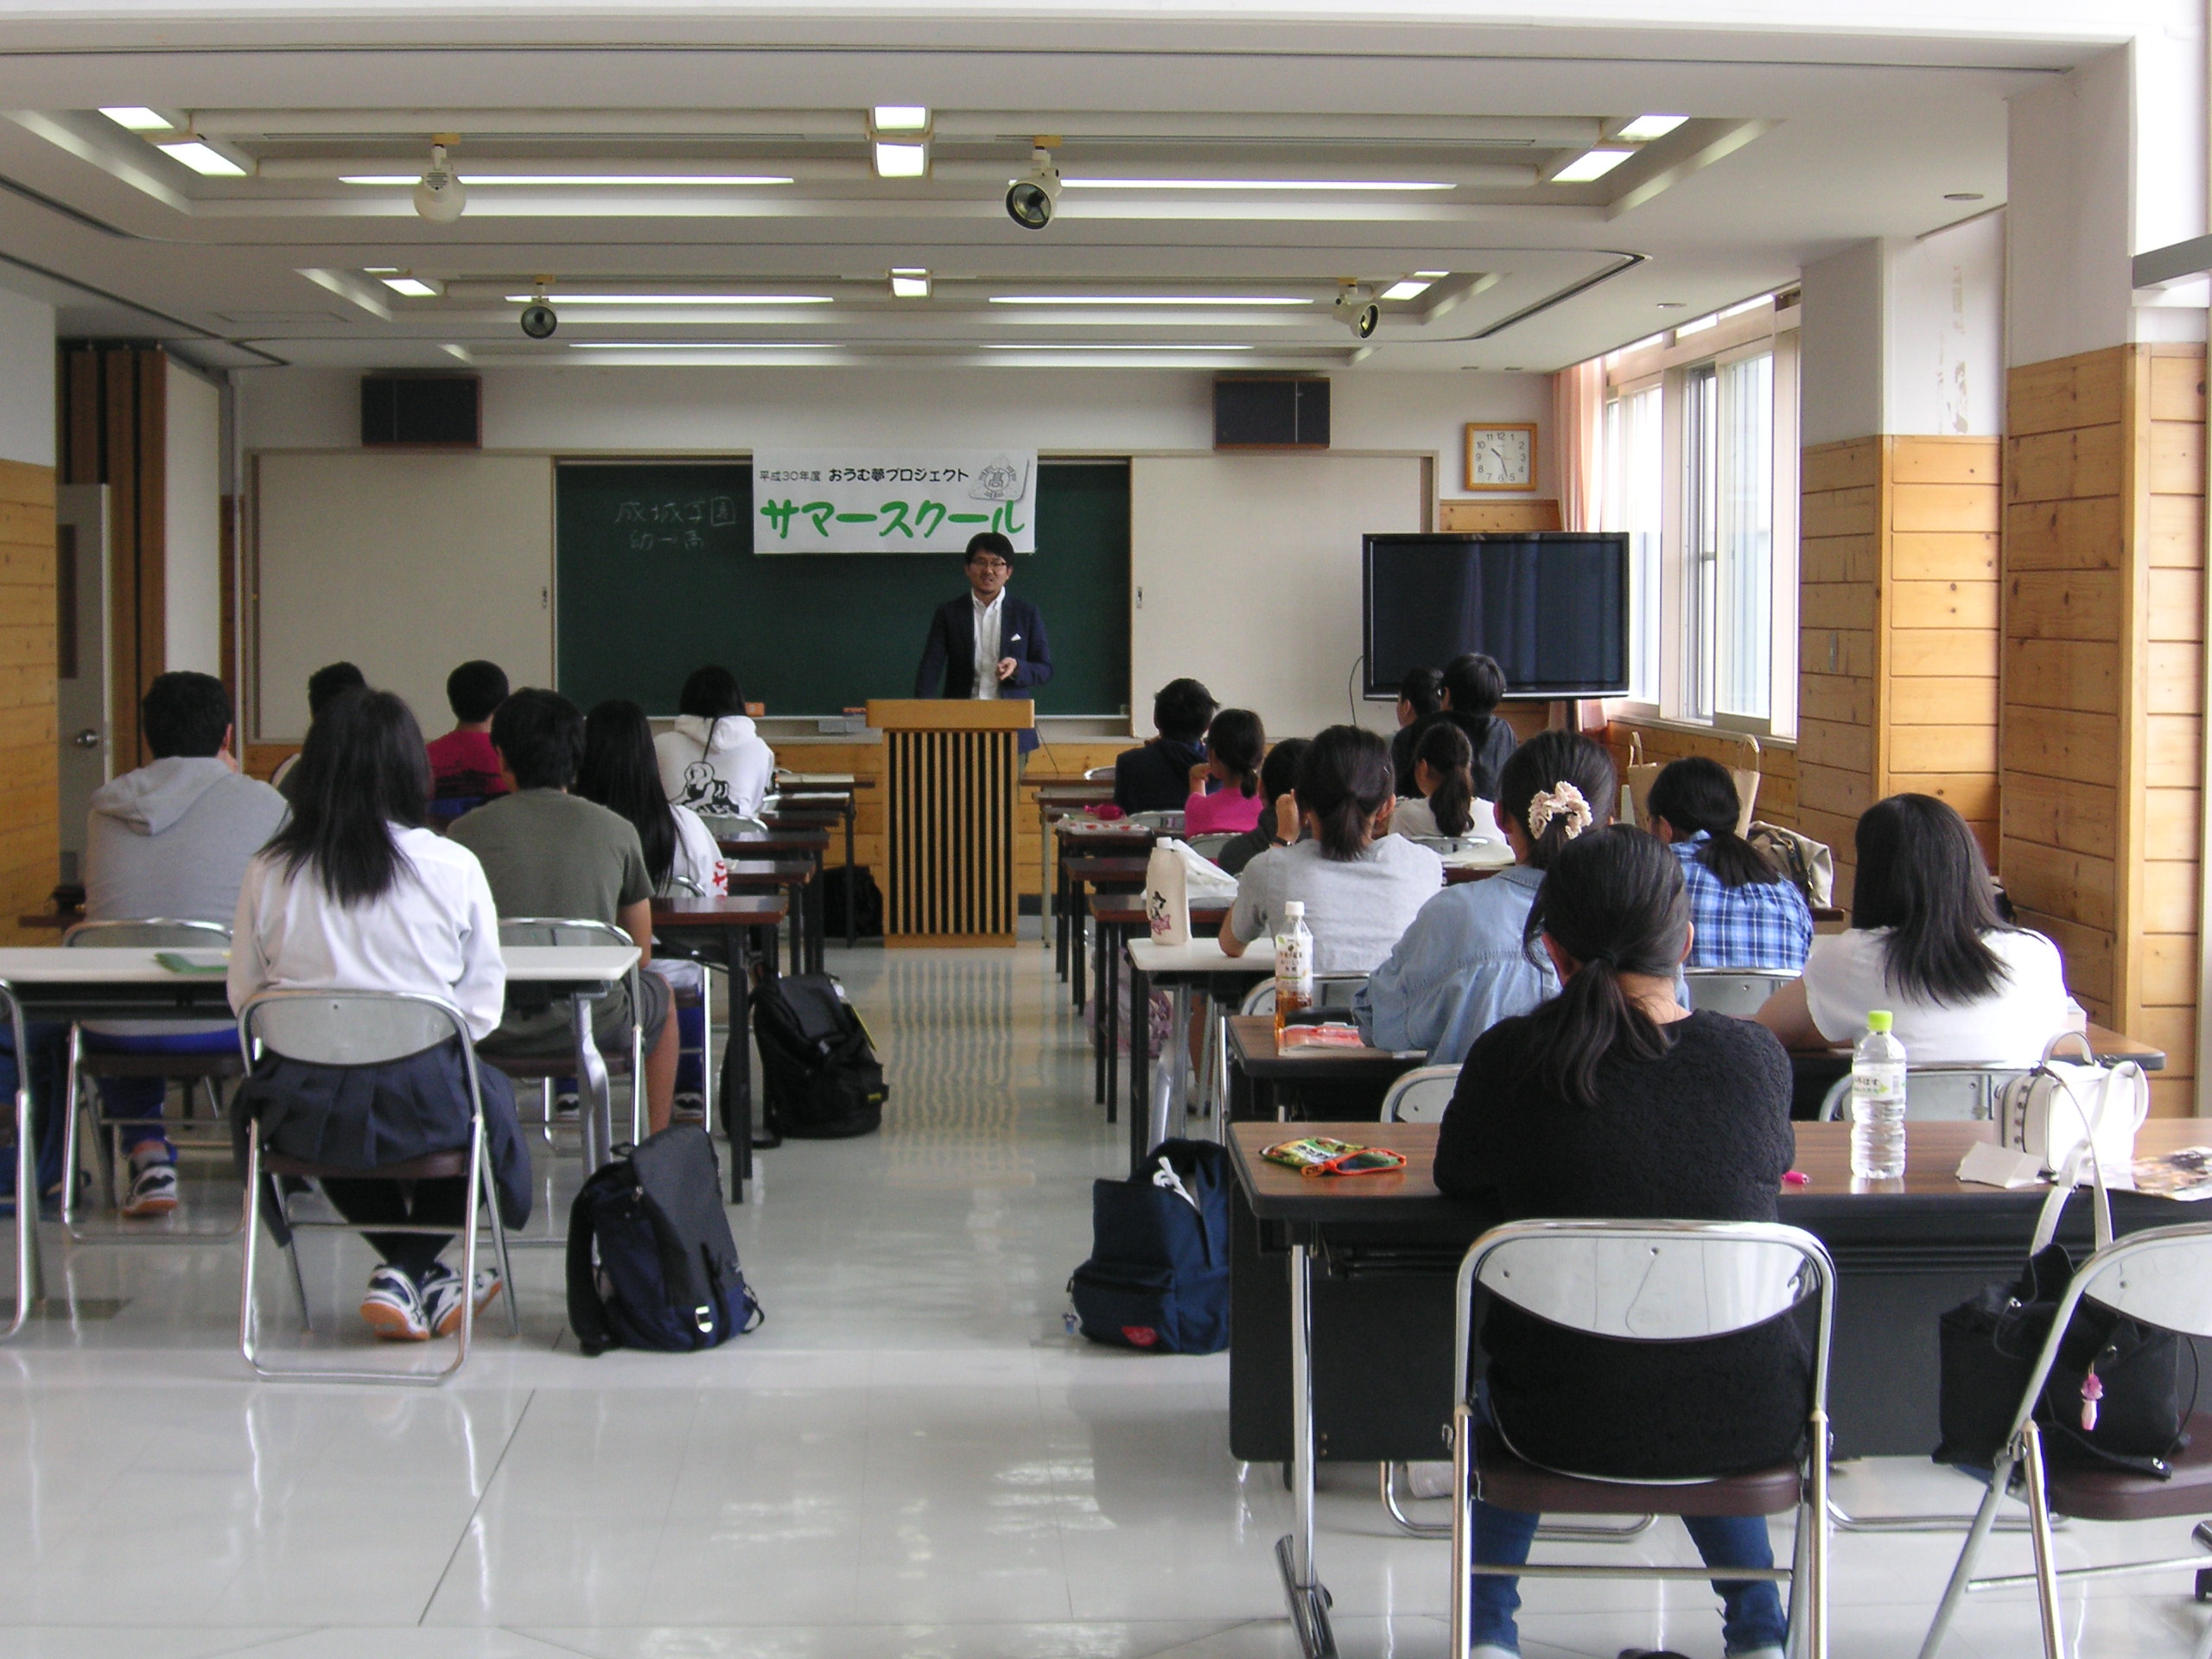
657 575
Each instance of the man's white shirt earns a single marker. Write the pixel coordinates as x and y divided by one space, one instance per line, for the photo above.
988 621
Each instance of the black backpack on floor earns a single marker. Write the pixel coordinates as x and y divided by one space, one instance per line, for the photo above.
1158 1276
819 1077
651 1264
854 889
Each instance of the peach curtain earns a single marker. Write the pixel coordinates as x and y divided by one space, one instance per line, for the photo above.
1578 427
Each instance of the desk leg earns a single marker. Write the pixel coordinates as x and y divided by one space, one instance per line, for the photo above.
737 1062
852 906
1301 1584
1140 1063
1077 910
594 1096
1110 1008
795 909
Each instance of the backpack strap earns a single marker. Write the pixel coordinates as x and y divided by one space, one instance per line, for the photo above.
587 1311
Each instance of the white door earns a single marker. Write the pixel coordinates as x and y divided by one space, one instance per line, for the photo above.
81 679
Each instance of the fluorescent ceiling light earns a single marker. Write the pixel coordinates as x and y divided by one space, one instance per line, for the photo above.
1251 184
381 270
667 181
1406 291
1141 299
909 282
205 159
1698 327
136 118
413 286
1084 346
461 352
1590 164
673 299
900 117
701 346
902 161
1432 276
1645 128
1747 305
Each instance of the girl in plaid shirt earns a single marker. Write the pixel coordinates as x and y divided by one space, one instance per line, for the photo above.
1745 913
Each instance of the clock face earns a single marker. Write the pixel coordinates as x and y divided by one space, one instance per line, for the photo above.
1498 457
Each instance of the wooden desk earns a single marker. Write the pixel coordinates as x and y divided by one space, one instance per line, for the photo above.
737 930
795 878
1081 838
1081 875
838 789
1264 1081
1364 1350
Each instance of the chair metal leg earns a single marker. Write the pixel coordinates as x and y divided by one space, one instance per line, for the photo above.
489 1183
1817 1554
1984 1518
72 1105
2053 1641
1462 1637
707 1049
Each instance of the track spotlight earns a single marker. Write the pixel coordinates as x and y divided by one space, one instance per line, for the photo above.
1029 198
1357 310
439 196
539 319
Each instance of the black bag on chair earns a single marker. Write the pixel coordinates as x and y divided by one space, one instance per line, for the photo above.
1988 1347
819 1077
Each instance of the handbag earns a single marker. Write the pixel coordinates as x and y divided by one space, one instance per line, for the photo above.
2052 1111
1808 865
2113 1394
1642 774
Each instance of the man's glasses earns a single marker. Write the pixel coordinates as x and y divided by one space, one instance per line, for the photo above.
988 565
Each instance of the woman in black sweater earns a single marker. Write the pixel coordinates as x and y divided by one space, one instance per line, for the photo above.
1612 1100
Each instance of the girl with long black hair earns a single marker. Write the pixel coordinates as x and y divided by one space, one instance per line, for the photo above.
1748 915
712 759
353 894
1926 942
1613 1100
1443 802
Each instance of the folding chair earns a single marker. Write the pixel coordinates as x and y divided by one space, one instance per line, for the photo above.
364 1028
1645 1281
30 1279
1421 1096
1936 1093
1209 847
1738 992
1331 991
2161 1277
207 1071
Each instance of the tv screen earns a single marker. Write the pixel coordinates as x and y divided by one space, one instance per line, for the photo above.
1550 605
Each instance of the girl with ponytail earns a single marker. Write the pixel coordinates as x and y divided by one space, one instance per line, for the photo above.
1225 787
1461 967
1612 1100
1747 915
1444 778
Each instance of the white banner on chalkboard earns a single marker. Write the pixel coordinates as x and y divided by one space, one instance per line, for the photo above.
862 500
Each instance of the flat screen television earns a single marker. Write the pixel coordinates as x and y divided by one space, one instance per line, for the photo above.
1551 606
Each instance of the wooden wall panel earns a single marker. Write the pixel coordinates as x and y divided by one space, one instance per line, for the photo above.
2103 689
30 845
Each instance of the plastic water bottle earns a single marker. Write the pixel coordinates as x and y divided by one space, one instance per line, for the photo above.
1293 965
1878 1103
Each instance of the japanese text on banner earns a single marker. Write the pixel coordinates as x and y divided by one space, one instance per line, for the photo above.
891 501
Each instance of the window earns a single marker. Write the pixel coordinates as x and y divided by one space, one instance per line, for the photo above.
1699 443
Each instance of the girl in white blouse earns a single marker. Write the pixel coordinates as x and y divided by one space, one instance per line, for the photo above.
353 894
1926 942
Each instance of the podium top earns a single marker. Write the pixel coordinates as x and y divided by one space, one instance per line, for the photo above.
952 713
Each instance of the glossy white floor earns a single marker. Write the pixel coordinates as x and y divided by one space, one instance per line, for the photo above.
910 1459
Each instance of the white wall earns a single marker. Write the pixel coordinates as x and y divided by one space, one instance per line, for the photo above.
26 381
193 572
1840 340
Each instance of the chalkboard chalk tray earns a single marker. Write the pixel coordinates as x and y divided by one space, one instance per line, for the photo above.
657 575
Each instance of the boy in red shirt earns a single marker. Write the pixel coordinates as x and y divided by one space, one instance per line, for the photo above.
463 764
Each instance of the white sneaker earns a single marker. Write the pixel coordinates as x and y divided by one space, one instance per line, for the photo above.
393 1306
442 1296
153 1190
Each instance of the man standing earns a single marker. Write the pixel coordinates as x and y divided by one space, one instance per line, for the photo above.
986 645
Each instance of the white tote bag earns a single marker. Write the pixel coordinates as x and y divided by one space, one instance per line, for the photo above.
2063 1106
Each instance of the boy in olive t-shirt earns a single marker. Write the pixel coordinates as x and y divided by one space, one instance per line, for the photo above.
549 854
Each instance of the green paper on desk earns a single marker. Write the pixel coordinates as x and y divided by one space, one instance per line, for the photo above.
199 964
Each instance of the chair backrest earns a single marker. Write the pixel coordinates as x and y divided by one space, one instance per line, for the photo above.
1209 847
2162 1276
348 1028
682 886
1449 843
1936 1094
1330 991
1741 992
1098 774
1650 1281
558 930
156 933
1166 820
1421 1096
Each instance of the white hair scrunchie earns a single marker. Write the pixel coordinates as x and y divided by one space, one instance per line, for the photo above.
1563 803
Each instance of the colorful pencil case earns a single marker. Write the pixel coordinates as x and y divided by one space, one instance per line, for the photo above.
1317 1155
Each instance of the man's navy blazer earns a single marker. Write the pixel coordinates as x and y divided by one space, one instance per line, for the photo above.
948 667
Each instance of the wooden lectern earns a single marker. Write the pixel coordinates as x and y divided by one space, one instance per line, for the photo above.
953 772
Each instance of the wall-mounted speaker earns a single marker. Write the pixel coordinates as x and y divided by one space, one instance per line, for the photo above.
422 411
1271 411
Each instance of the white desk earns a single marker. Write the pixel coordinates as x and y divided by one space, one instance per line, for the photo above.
1202 963
48 983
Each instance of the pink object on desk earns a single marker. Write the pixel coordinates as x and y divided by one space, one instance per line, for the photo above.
1226 811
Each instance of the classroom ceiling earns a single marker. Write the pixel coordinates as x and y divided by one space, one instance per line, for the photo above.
683 191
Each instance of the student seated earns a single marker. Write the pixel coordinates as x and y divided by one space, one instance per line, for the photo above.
1463 965
170 840
1278 824
325 686
1361 885
353 894
1444 803
1926 944
1472 685
547 853
462 763
713 760
1235 743
1418 694
1612 1100
1155 776
619 773
1748 914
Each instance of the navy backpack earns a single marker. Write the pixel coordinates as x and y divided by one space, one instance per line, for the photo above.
651 1264
1158 1276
